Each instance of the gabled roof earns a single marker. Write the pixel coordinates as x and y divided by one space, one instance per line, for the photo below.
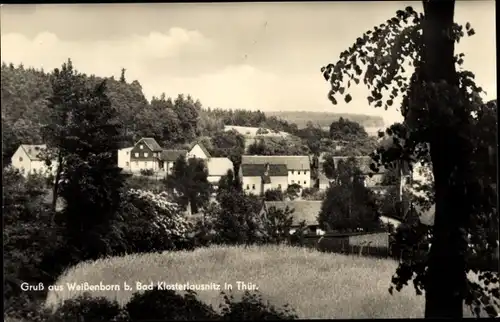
305 210
258 170
202 147
219 166
152 144
292 162
172 155
33 150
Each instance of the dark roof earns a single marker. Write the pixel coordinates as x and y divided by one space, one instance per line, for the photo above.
257 170
202 148
293 162
304 210
172 155
152 144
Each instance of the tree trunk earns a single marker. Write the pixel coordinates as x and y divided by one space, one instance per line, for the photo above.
450 158
55 190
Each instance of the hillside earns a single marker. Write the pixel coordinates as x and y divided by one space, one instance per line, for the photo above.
324 119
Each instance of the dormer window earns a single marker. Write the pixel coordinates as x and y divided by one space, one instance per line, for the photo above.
141 146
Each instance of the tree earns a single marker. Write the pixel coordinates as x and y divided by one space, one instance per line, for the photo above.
274 195
187 111
122 76
238 219
90 180
228 183
278 224
329 166
189 183
438 104
348 205
229 144
346 130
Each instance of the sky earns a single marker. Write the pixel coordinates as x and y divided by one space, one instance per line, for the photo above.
257 56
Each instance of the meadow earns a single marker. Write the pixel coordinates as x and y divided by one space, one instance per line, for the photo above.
315 284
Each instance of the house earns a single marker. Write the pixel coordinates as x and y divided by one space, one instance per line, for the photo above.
258 178
198 150
169 157
218 167
298 167
124 158
304 211
252 134
27 159
146 155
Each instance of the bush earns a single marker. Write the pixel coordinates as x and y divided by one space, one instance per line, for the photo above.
251 307
159 305
313 194
147 172
151 222
274 195
87 308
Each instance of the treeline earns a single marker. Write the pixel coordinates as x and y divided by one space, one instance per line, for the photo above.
171 121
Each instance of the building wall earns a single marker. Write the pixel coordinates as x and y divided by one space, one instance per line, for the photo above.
124 158
252 185
279 183
323 185
197 152
20 161
214 179
138 165
301 177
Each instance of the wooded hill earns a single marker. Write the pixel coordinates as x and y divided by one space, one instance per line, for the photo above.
324 119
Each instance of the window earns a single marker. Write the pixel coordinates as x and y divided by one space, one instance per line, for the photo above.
126 153
127 164
298 172
305 182
305 172
136 163
20 159
279 186
145 154
253 187
136 155
292 171
248 187
146 164
293 181
141 147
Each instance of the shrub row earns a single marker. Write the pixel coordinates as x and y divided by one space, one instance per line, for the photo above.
159 305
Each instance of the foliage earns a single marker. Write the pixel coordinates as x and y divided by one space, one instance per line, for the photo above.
237 218
229 144
143 183
251 307
88 308
324 119
85 135
346 130
159 304
278 223
228 183
147 172
293 191
188 182
274 195
329 166
152 222
278 146
348 204
442 108
313 194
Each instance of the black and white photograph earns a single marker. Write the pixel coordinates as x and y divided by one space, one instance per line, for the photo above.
249 160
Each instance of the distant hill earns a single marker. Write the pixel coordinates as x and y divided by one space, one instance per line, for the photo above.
324 119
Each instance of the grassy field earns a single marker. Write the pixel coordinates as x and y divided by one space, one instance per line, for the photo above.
315 284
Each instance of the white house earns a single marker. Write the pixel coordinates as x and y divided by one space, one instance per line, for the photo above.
218 167
258 178
124 158
198 150
27 159
298 167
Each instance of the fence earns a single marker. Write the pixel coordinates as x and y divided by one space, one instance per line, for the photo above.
377 245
